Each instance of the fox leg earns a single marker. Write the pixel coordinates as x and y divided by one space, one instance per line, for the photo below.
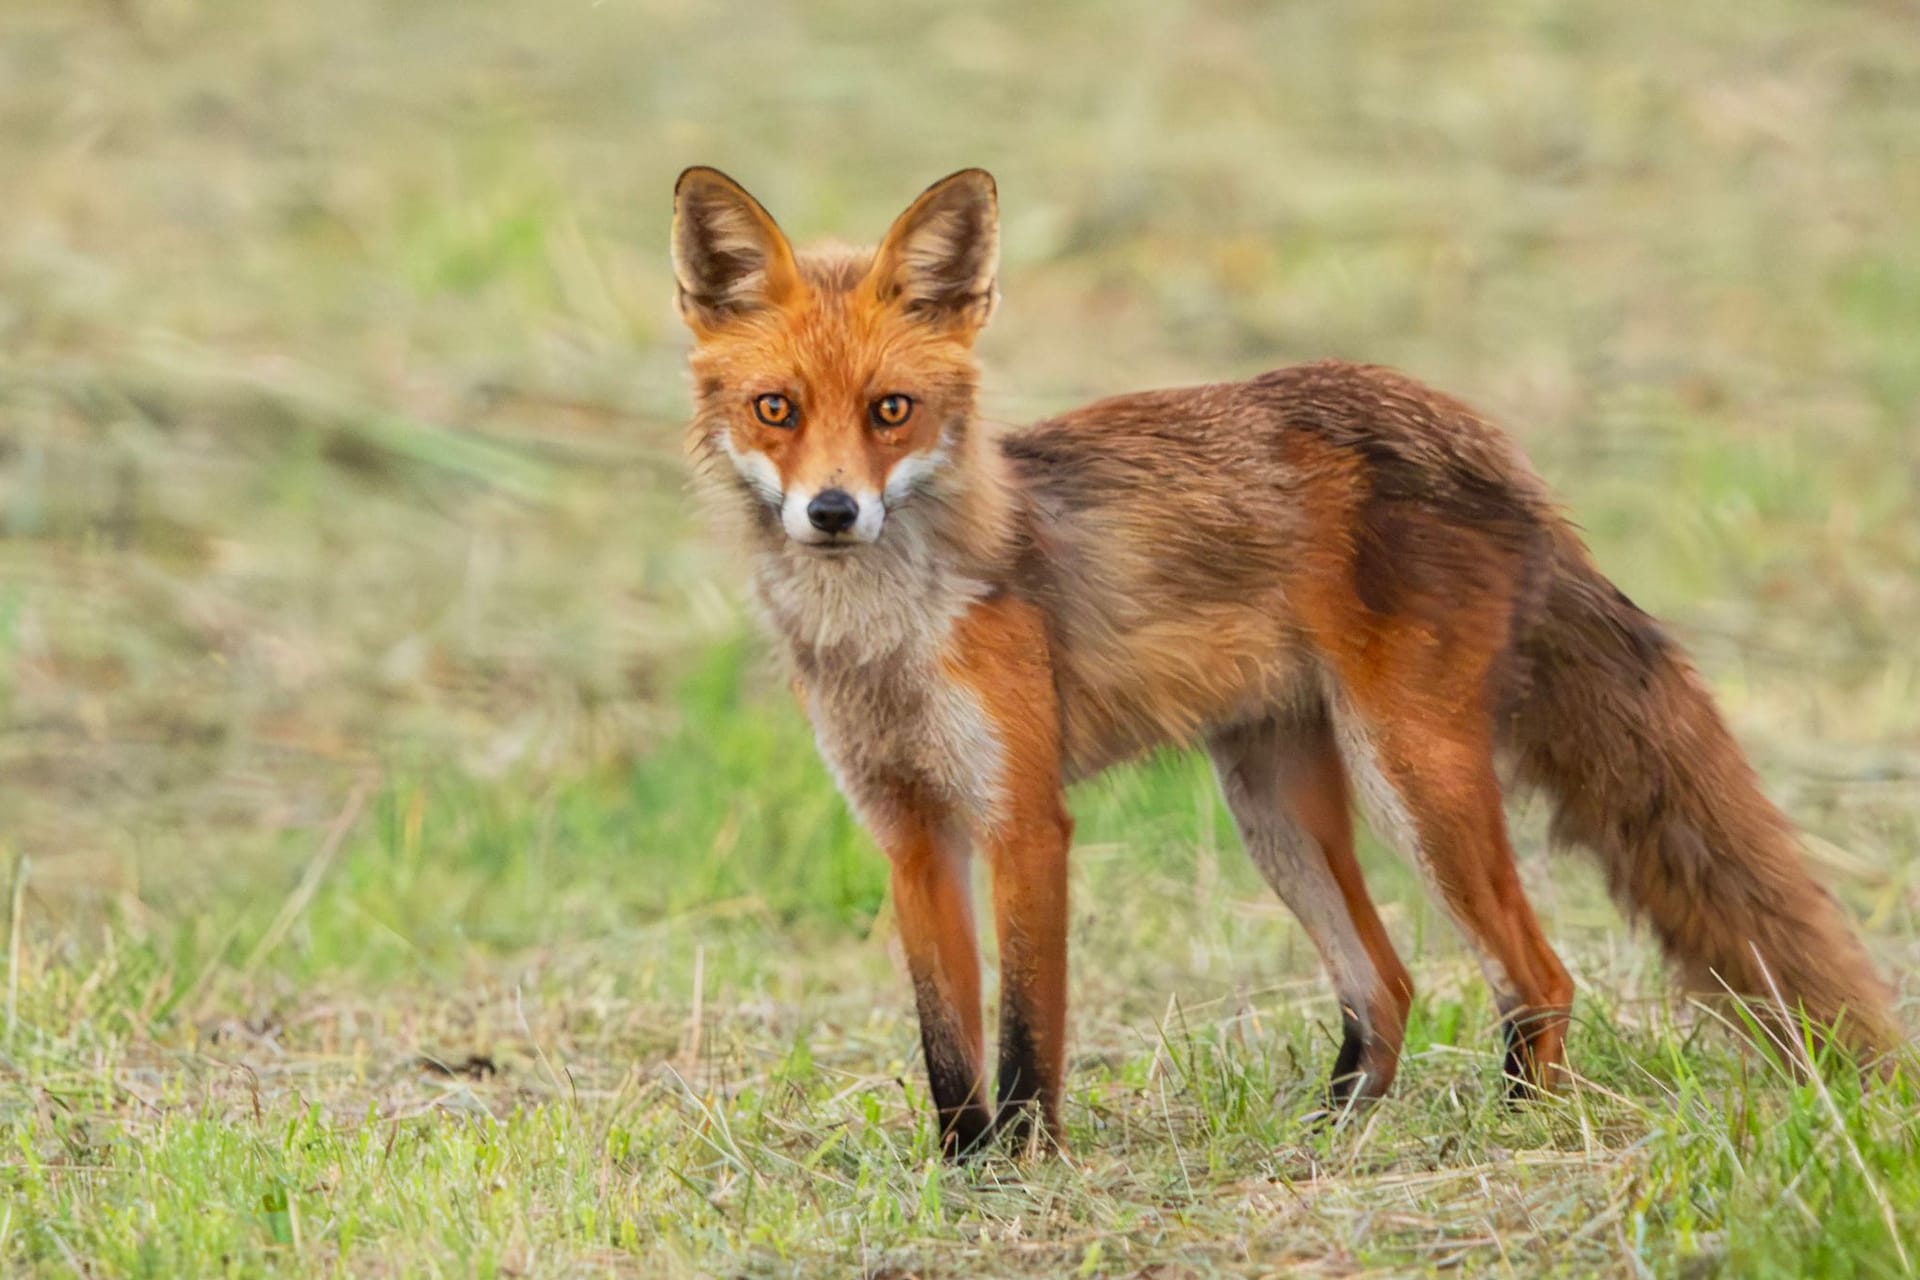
933 903
1429 786
1030 917
1288 793
1001 659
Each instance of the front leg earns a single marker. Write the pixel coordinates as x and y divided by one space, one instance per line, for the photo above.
1002 658
1029 859
933 905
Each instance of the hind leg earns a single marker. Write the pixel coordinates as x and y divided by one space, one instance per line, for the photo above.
1430 788
1288 794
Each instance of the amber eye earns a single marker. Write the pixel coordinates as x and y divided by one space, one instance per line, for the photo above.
891 411
774 410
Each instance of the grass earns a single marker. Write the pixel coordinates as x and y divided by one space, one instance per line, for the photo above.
409 862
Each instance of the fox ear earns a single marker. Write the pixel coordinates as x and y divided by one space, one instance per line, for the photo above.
941 256
729 256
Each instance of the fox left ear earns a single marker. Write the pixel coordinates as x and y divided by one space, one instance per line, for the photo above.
941 257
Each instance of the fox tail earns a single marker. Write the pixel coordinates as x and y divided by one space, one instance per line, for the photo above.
1610 720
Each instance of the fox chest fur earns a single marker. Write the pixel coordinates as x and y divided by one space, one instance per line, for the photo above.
872 646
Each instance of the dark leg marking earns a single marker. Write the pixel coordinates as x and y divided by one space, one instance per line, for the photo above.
1020 1078
1517 1030
964 1121
1346 1067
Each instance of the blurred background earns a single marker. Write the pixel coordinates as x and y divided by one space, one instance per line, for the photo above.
356 630
343 392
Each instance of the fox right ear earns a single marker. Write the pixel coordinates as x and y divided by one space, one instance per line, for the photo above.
729 256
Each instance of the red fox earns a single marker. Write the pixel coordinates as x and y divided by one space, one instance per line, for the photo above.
1338 582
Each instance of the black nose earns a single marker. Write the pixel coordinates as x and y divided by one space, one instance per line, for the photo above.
833 511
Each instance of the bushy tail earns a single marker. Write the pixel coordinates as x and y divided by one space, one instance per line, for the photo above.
1611 721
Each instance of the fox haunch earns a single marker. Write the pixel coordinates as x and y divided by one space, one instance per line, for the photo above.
1343 585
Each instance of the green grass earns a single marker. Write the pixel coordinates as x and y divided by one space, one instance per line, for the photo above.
409 861
648 1022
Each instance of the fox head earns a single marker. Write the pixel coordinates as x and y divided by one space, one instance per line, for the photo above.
838 383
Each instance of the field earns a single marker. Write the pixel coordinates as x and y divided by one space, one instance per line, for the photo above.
409 861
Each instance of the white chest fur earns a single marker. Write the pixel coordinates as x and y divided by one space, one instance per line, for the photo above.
871 636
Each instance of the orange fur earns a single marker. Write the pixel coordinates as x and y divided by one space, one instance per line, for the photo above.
1333 578
1000 653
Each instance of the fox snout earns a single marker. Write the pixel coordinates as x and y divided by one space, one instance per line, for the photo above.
821 504
831 517
833 511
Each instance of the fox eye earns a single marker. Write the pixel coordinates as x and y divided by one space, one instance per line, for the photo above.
774 410
891 411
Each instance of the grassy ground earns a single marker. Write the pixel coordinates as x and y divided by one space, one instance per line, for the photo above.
408 866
